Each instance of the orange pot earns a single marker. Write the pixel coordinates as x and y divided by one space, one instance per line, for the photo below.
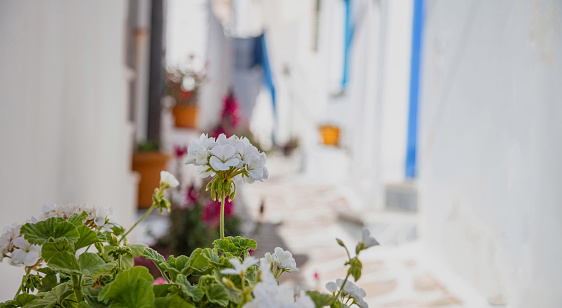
185 116
330 135
148 165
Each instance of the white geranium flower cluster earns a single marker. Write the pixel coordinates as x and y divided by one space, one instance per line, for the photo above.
268 294
239 267
349 291
233 158
99 218
280 261
14 246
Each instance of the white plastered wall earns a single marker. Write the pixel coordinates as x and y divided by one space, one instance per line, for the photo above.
491 146
64 133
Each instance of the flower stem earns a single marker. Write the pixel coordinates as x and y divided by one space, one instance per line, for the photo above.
136 223
77 286
222 217
341 288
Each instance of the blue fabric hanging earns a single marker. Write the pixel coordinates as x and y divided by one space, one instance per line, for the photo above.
261 46
349 29
250 53
417 31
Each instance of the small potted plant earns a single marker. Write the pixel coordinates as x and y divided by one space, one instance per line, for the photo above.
183 86
330 134
148 161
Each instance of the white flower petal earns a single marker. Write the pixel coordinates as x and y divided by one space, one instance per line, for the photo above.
169 179
217 164
230 271
228 151
233 162
18 256
31 258
21 243
332 287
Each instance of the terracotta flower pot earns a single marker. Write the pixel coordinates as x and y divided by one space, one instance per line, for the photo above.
148 165
330 135
185 116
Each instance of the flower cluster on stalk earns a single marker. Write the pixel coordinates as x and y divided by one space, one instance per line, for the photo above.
349 292
226 159
268 293
280 261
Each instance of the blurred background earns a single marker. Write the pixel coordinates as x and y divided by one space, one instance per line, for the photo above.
435 124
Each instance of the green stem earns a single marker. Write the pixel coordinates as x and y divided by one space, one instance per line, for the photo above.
341 288
77 286
222 217
136 223
27 270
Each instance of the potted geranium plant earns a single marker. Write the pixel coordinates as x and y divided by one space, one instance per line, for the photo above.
183 86
80 257
330 134
148 161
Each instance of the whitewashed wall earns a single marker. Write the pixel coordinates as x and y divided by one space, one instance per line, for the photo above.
64 133
377 96
490 183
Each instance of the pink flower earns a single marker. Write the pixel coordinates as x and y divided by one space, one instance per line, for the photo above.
192 195
159 280
180 150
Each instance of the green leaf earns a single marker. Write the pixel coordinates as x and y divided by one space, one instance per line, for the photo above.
61 295
23 299
131 288
92 265
76 219
87 237
245 243
320 299
91 297
153 255
127 262
87 281
217 294
355 268
162 290
84 305
174 266
138 249
50 249
225 245
48 282
211 256
187 289
102 236
53 229
235 245
118 230
197 264
172 300
64 261
47 301
20 301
